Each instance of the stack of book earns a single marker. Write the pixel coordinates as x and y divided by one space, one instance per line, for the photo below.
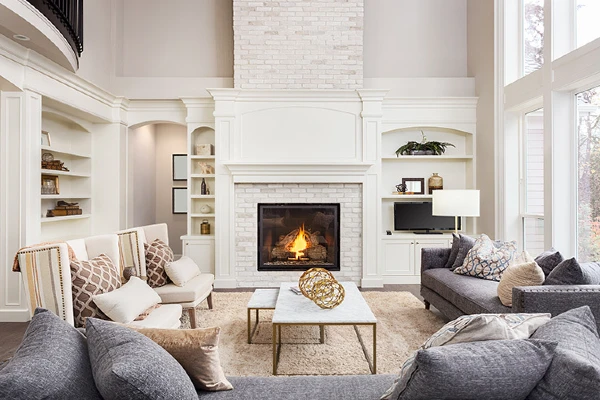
63 209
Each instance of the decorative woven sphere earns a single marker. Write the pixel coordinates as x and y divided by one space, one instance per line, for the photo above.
310 278
328 293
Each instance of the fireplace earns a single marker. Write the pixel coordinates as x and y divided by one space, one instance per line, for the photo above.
298 236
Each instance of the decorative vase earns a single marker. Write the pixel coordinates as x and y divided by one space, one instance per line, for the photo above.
421 152
435 182
205 227
205 209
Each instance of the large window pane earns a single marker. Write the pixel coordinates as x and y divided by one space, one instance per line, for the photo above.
588 15
534 162
588 135
533 234
533 35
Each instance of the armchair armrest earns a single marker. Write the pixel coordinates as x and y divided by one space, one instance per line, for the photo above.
555 299
434 258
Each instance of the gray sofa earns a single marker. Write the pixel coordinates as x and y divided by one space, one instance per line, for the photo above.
455 295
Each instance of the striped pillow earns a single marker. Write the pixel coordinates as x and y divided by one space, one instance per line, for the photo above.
96 276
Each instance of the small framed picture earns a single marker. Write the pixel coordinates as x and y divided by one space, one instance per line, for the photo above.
179 167
180 200
46 139
50 184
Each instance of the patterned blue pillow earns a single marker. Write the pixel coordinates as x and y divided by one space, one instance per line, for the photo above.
486 261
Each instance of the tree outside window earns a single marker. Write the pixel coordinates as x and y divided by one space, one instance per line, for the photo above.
533 35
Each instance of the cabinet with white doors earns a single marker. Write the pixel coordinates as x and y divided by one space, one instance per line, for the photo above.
402 255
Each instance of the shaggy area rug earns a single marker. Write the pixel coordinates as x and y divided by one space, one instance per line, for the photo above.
403 325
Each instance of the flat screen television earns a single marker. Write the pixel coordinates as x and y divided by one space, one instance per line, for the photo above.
411 216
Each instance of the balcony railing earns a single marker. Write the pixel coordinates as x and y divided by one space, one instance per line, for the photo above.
67 17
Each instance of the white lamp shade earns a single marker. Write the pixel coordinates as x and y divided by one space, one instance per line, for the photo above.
461 203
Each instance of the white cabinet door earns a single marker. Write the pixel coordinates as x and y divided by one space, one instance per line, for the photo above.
398 256
427 243
202 252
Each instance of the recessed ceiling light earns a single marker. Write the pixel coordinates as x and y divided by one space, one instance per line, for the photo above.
21 37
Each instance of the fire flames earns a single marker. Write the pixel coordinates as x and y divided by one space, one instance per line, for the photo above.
299 244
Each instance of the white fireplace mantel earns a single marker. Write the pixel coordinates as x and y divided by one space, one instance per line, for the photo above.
297 172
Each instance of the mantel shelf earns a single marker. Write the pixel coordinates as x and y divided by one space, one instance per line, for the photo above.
428 158
282 168
407 196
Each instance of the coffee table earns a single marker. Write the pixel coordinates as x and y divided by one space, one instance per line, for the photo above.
293 309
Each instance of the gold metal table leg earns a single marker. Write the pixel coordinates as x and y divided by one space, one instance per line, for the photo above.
275 349
373 361
249 328
322 333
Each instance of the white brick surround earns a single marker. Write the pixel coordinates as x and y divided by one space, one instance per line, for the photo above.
248 195
298 44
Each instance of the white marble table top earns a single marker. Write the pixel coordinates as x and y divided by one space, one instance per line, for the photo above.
263 298
297 309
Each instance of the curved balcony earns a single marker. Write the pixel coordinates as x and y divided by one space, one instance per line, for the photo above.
52 28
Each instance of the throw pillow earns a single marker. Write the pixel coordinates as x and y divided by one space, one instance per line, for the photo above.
89 278
548 260
493 369
487 261
478 327
128 365
182 270
158 255
128 302
575 369
567 272
465 244
197 350
523 271
51 363
453 250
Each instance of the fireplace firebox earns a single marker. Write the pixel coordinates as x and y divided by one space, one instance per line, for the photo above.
298 236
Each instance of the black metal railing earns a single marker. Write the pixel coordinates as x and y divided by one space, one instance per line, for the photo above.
67 17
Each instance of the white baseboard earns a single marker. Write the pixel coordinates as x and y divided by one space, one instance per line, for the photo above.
225 284
401 280
14 315
371 283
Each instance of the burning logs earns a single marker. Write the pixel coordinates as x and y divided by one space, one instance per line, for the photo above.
299 245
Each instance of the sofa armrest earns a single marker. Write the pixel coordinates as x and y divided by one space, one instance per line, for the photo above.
555 299
434 258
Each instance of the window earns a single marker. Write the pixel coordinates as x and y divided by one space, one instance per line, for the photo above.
532 182
588 14
588 165
533 35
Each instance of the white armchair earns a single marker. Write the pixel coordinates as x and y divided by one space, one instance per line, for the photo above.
188 296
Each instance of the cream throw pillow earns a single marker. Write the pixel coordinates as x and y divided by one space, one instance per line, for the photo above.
478 327
182 270
522 271
126 303
197 350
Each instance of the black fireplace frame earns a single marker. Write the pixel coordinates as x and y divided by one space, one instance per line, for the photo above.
336 228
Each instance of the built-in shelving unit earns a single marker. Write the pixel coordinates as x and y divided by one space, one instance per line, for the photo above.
70 142
201 136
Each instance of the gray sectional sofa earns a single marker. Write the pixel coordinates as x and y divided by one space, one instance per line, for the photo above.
455 295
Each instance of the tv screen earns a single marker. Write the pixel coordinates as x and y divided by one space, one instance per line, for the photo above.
409 216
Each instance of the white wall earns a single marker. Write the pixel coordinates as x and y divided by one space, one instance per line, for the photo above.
170 139
97 60
177 38
142 148
480 61
409 38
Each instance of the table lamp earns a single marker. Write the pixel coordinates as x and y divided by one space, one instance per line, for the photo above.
456 203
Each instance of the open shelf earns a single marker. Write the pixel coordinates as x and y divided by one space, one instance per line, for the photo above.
428 158
64 196
200 215
202 196
202 157
65 152
202 175
63 173
65 218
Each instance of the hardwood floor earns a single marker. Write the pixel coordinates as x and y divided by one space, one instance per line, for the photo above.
11 333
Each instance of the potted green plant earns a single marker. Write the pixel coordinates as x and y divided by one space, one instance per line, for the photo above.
423 148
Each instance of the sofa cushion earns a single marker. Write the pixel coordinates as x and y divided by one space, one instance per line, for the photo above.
486 261
591 273
96 276
453 251
182 271
548 260
490 369
478 327
522 271
158 255
465 244
575 369
128 365
197 350
166 316
353 387
126 303
567 272
471 295
195 288
51 363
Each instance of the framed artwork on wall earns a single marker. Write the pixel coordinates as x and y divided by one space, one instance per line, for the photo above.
179 167
179 200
